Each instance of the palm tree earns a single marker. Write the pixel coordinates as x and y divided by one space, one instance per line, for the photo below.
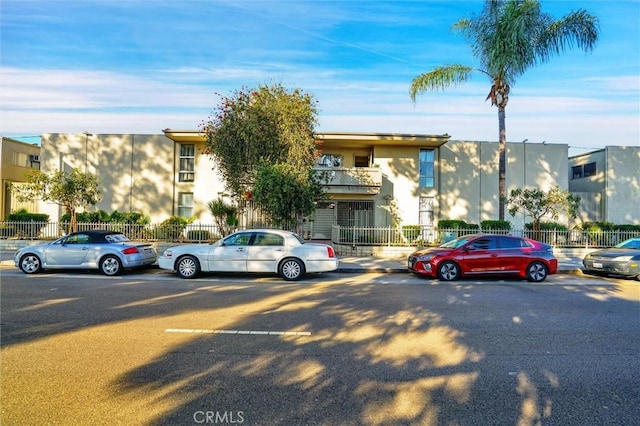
508 38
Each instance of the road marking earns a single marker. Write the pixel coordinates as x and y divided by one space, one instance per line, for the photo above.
251 332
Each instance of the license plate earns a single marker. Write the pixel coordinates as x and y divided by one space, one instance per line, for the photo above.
597 265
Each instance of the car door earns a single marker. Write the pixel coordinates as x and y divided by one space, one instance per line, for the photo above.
266 249
231 254
69 252
511 254
481 256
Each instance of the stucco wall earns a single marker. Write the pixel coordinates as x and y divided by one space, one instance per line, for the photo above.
622 185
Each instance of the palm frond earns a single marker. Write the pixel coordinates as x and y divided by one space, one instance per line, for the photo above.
440 78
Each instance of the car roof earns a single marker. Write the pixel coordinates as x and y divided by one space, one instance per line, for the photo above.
97 232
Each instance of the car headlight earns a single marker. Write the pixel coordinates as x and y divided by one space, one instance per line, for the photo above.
623 258
168 253
425 258
588 256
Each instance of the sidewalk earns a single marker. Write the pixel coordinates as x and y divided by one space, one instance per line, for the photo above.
354 264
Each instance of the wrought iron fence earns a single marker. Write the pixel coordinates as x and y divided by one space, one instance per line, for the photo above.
353 236
430 236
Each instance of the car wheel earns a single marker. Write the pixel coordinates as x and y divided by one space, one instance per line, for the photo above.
448 271
291 269
536 272
188 267
30 264
110 265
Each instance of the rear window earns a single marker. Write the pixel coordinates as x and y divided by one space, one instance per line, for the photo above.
116 238
511 243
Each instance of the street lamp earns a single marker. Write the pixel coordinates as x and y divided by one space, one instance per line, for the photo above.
86 149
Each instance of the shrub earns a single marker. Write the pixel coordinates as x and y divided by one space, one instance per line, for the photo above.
173 227
24 216
452 224
547 226
496 225
411 232
27 225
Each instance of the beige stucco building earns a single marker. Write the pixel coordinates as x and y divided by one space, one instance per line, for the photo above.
17 158
374 177
608 180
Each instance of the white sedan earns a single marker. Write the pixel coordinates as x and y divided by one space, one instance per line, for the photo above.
255 250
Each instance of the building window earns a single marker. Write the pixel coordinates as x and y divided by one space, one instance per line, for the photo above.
589 169
576 172
185 204
330 160
361 161
427 170
187 163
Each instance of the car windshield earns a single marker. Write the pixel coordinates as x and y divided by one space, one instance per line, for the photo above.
116 238
458 242
630 244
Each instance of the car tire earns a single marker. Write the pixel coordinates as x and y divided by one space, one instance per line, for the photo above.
110 265
188 267
30 264
291 269
537 272
448 271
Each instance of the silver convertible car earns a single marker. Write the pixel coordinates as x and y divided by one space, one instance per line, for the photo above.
110 252
256 250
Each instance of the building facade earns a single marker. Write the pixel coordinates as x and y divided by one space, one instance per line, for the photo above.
376 179
16 160
608 181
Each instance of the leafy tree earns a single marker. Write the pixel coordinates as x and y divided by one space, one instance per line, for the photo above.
266 135
286 195
264 126
68 189
538 204
508 38
224 214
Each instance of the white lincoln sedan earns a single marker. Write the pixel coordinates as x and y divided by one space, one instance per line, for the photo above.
255 250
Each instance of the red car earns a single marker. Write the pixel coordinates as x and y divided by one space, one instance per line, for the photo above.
485 254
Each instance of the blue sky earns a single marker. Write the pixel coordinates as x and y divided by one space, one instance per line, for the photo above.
139 66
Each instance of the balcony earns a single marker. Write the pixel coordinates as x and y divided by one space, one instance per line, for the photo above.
355 180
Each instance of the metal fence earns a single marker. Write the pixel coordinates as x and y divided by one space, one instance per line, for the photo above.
342 235
430 236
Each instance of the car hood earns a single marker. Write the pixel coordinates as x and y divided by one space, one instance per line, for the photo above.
431 250
615 252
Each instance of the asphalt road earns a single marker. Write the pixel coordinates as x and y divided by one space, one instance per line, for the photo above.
335 349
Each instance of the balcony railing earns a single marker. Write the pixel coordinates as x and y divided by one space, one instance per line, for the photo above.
355 180
352 236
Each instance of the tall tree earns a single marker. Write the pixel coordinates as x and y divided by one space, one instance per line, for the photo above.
508 38
68 189
263 126
268 129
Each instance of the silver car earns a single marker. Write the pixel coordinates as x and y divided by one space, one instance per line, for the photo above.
623 259
109 251
257 250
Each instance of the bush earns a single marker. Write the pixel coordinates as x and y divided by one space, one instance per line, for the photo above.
411 232
452 224
547 226
496 225
27 225
172 228
24 216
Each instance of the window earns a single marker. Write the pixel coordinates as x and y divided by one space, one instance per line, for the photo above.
589 169
361 161
485 243
187 163
266 239
427 175
330 160
240 239
576 172
586 170
185 204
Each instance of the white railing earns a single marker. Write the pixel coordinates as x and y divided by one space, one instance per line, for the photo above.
341 235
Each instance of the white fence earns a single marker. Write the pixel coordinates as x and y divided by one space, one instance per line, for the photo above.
348 236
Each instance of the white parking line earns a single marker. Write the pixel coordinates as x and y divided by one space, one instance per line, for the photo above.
254 332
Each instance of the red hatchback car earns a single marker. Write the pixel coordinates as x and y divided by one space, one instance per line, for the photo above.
485 254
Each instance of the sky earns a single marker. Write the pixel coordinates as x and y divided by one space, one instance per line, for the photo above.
140 66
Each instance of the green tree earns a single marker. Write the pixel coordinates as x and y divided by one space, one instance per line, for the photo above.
70 190
538 204
264 135
286 195
266 125
224 214
508 38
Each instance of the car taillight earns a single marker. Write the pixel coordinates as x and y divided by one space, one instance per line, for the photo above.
130 250
330 252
